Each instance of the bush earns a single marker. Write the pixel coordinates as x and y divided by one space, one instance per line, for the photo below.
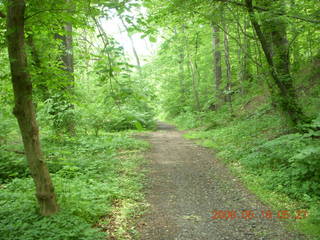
290 162
187 120
19 221
129 119
12 165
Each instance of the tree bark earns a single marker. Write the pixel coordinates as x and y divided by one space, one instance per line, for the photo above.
67 53
217 62
245 71
228 65
182 75
276 51
194 86
182 61
67 65
192 72
24 109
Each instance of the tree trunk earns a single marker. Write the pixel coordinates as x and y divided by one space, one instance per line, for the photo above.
67 65
182 75
135 53
181 62
24 109
194 86
67 53
217 62
245 69
276 51
228 65
36 62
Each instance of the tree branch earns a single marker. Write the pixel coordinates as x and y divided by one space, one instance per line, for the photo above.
15 151
239 44
262 9
236 19
45 10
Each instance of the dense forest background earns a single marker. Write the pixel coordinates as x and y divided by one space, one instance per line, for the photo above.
243 75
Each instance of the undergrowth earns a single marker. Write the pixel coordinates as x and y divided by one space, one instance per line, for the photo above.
91 175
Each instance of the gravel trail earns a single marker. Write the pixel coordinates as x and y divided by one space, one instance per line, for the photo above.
188 187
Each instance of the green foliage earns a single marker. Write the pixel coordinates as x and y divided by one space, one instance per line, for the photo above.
7 125
129 119
21 222
90 174
187 120
12 165
280 163
291 164
59 112
135 116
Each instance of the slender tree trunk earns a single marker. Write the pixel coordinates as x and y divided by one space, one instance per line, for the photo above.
36 62
278 61
24 109
295 45
194 86
196 68
241 54
181 63
67 53
192 72
228 65
196 72
135 53
182 75
67 65
245 70
217 62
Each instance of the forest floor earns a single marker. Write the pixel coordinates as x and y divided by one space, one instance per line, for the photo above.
193 196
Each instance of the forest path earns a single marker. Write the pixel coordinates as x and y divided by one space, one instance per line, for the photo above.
187 184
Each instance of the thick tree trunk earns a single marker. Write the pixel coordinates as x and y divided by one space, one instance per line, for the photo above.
24 109
217 62
277 54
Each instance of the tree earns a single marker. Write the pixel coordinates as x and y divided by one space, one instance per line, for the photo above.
228 71
217 70
24 108
276 51
67 66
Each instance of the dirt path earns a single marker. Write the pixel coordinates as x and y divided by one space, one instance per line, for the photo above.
187 184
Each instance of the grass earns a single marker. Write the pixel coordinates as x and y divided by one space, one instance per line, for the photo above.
98 180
